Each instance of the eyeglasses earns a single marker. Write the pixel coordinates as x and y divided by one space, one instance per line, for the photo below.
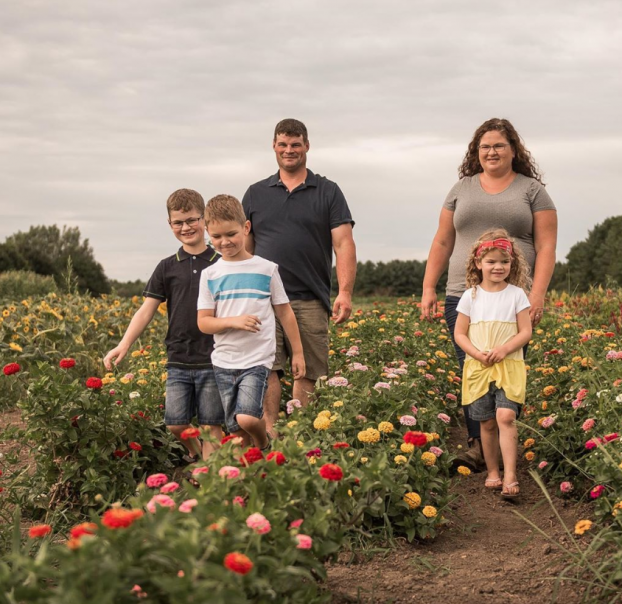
178 224
498 147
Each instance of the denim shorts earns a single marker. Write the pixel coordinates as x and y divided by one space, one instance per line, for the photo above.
485 408
191 392
241 391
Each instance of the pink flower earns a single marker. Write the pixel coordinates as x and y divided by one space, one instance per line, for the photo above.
161 500
430 377
382 386
237 500
156 480
186 506
408 420
566 486
437 451
229 472
588 424
444 418
414 410
361 418
451 397
294 524
128 376
582 394
338 381
304 541
421 363
592 443
398 339
258 523
612 355
201 470
548 421
293 404
359 367
169 487
597 491
543 464
577 403
610 437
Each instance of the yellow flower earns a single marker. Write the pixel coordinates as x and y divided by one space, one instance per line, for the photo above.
582 526
312 460
386 427
544 405
108 380
413 500
143 371
300 444
325 413
429 437
137 353
530 456
164 377
331 353
141 382
400 459
429 459
371 435
429 511
530 442
549 390
407 447
440 354
349 492
345 334
14 346
321 423
338 404
364 459
464 471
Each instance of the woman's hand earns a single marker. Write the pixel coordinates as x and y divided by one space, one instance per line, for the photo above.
536 310
428 304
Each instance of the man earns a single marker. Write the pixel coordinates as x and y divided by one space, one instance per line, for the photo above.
297 219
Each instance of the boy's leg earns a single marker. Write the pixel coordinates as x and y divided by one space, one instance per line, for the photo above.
251 388
210 410
179 406
226 380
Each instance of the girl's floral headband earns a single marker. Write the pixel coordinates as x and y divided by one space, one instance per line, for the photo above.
502 244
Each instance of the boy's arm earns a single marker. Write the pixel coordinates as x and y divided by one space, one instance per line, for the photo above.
285 315
523 336
210 324
137 325
462 339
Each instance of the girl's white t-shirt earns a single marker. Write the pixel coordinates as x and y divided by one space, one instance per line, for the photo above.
493 306
248 287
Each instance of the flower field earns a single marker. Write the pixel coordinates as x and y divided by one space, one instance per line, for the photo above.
104 512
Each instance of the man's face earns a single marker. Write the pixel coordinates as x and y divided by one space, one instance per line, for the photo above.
291 152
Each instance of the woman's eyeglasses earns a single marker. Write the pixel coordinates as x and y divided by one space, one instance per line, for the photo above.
498 147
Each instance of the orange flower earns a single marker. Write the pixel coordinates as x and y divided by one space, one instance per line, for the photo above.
86 528
120 518
190 433
39 530
238 563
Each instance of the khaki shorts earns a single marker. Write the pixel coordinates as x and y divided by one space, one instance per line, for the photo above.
312 318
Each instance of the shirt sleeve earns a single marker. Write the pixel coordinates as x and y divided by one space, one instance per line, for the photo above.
206 299
339 210
246 205
277 291
155 287
540 199
464 306
521 300
452 197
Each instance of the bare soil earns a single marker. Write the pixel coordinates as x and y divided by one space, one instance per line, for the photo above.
488 553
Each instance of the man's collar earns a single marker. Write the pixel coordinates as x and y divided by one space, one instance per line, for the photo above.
208 254
275 179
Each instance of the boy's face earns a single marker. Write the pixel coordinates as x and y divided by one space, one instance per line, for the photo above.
228 238
187 226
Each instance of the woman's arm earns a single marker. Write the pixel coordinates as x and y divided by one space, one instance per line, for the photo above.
438 259
545 242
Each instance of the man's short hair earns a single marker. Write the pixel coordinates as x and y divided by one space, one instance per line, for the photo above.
185 200
222 208
291 127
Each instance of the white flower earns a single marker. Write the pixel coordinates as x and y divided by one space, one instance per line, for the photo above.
134 394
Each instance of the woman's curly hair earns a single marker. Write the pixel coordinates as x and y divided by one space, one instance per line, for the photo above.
519 269
523 162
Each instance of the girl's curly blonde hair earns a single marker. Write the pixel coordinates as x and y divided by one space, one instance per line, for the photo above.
519 269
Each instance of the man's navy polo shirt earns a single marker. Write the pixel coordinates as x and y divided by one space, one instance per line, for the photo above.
176 281
293 229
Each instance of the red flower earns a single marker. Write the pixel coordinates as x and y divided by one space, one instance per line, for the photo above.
331 471
238 563
612 436
11 368
597 491
227 438
74 421
135 446
341 446
277 456
39 530
190 433
251 456
94 383
314 453
120 454
415 438
120 518
86 528
67 363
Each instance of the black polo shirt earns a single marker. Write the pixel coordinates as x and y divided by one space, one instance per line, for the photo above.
293 229
176 281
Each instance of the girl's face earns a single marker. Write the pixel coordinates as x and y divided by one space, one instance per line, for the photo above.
495 266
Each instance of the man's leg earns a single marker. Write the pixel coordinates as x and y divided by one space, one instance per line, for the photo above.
303 390
272 402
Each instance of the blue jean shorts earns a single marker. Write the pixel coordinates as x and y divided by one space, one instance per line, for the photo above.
189 393
485 408
241 391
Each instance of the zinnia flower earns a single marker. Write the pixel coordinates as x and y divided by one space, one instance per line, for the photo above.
258 523
86 528
385 427
277 457
338 381
437 451
304 541
115 518
11 368
67 363
408 420
251 456
429 459
413 500
94 383
169 487
238 500
156 480
294 524
444 418
201 470
186 506
464 471
582 526
238 563
39 531
418 439
543 465
429 511
229 472
190 433
547 422
597 491
382 386
340 445
321 422
135 446
371 435
400 459
317 452
293 404
331 471
566 486
161 500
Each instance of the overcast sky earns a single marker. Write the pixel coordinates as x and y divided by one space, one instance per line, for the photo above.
108 107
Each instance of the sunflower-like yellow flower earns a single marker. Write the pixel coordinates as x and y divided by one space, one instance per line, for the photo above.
386 427
407 447
549 390
400 459
292 424
429 459
325 413
582 526
429 511
338 404
413 500
530 442
321 422
464 471
371 435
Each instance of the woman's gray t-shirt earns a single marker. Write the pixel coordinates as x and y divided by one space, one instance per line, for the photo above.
476 211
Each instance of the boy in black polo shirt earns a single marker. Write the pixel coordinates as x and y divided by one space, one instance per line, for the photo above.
190 385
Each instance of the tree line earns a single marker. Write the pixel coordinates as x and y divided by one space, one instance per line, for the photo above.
70 262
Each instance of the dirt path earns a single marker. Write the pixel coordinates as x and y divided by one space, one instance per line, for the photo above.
487 554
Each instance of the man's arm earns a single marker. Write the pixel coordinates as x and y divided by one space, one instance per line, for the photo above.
345 259
285 315
137 325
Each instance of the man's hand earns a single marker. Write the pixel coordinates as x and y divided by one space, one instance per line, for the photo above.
246 323
117 353
298 366
342 307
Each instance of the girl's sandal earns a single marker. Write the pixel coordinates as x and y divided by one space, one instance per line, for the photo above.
494 484
506 494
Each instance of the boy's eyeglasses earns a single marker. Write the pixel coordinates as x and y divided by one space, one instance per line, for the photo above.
499 147
178 224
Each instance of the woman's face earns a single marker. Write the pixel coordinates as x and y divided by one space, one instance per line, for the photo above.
495 160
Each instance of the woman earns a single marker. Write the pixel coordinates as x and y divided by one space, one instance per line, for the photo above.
499 186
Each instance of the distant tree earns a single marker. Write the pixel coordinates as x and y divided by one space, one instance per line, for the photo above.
46 250
127 289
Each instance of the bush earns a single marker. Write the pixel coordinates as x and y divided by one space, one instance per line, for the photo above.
16 285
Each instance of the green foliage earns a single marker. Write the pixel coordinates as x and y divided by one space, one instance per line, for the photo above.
127 289
16 285
46 250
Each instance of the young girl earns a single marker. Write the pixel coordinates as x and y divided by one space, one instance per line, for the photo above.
492 327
